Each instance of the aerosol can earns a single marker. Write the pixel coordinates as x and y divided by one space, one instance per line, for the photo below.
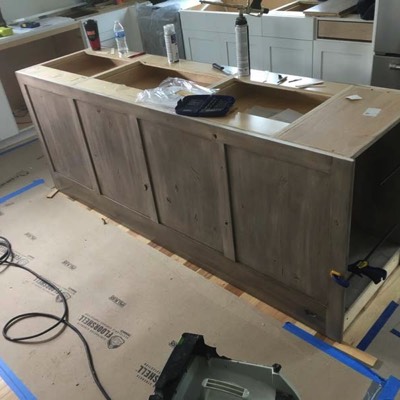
242 45
254 9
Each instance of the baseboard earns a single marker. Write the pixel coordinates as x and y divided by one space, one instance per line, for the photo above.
23 137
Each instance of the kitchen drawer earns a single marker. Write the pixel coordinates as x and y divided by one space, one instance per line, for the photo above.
287 27
345 30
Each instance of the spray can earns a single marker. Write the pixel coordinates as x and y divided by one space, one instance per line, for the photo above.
171 43
242 45
92 32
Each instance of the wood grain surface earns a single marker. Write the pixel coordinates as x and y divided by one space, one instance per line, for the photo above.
331 8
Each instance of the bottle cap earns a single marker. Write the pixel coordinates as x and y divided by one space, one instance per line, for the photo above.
169 29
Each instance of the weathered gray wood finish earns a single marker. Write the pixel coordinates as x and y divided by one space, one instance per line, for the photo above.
118 158
261 214
61 131
185 186
277 218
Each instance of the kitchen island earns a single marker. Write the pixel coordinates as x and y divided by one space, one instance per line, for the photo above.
267 205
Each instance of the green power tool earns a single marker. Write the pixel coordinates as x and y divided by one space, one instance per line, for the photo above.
194 371
4 29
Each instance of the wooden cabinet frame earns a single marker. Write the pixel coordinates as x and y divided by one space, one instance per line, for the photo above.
270 216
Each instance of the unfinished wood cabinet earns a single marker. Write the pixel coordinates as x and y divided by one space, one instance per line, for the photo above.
272 210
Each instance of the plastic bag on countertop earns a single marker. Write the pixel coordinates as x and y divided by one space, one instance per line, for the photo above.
170 91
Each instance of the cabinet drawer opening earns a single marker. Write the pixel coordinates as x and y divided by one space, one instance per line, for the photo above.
376 216
141 76
85 64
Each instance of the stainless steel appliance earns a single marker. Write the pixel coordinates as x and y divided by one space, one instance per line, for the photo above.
386 65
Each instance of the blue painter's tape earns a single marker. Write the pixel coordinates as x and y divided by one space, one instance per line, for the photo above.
378 325
335 353
14 383
24 189
17 147
395 332
390 389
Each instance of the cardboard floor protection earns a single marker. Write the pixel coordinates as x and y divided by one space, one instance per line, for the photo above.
388 339
132 303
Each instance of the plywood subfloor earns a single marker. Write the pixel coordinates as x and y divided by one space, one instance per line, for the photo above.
95 261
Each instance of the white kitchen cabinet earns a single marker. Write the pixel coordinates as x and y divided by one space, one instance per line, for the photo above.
288 56
204 47
343 61
210 37
8 127
210 47
277 43
228 44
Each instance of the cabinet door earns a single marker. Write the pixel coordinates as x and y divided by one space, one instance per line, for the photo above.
63 136
228 43
204 47
340 61
288 56
117 152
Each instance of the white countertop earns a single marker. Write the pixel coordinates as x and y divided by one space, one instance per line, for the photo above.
48 26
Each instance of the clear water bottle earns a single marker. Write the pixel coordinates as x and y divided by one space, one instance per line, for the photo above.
120 38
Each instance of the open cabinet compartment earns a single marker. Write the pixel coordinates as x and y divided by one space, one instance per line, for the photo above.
85 64
376 214
270 4
298 6
142 76
249 95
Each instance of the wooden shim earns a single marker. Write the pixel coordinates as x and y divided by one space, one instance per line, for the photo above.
351 351
360 355
369 292
5 392
52 193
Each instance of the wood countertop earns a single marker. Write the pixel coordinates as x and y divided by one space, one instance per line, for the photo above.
331 123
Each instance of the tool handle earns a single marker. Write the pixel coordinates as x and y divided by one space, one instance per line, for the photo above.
218 67
362 268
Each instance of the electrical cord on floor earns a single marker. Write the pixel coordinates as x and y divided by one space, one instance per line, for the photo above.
6 261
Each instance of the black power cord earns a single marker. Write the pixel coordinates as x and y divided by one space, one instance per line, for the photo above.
6 261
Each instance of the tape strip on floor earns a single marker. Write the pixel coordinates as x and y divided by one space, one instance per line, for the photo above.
377 326
333 352
14 383
35 183
390 386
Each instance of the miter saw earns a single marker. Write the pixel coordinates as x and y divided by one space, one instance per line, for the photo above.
4 29
194 371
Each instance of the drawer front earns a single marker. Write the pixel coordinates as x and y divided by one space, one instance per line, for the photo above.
288 27
342 30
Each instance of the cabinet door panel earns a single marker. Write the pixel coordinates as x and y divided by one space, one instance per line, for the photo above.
63 136
339 61
184 172
228 42
281 219
118 158
204 47
289 56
